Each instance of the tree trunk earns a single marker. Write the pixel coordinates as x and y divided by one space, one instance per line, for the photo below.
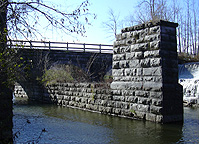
6 114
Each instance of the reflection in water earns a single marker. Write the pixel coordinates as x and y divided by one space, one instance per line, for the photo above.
67 125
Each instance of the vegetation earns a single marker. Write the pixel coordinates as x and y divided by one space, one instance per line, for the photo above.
22 19
64 73
186 58
19 19
68 73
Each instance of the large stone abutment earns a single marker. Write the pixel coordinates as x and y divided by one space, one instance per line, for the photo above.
145 72
145 78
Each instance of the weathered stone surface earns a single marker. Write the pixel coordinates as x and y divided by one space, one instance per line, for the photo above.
144 78
154 71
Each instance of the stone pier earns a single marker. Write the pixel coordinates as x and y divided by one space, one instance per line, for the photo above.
145 72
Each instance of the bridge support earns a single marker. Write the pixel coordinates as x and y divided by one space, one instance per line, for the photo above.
145 77
145 72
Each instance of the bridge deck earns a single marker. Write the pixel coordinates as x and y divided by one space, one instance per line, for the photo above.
76 47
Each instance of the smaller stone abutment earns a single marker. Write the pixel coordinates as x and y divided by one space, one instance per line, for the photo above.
145 72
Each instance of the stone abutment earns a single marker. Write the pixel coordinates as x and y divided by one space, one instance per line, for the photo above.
145 78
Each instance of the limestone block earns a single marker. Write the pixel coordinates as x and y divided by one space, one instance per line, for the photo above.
126 78
155 62
127 71
155 109
151 117
139 72
123 64
126 112
124 36
159 118
139 55
143 32
142 93
154 37
157 102
117 111
104 102
118 72
139 47
84 100
154 53
134 63
117 104
126 92
153 86
125 49
101 109
158 95
143 108
71 103
110 103
155 45
116 65
118 98
155 29
145 63
116 92
126 85
152 78
115 45
108 110
130 56
124 105
119 37
82 105
140 115
140 40
131 41
123 42
154 71
118 57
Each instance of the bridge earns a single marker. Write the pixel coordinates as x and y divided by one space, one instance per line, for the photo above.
144 67
65 46
39 55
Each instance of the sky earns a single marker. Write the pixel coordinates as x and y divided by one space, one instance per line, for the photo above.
96 33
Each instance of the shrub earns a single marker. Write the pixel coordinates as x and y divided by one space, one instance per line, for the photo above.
186 58
64 73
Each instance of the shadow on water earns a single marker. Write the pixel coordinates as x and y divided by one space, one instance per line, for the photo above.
67 125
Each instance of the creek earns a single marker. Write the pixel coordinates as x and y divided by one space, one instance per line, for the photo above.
45 123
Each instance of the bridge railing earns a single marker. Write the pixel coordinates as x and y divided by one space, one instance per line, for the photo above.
76 47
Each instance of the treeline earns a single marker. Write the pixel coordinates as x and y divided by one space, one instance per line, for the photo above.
185 13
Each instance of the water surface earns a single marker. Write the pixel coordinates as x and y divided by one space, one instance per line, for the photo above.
43 123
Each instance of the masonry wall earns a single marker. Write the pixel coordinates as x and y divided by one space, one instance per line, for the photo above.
145 78
145 72
36 60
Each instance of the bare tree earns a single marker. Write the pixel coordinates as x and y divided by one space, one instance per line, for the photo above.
150 10
21 18
112 25
24 15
